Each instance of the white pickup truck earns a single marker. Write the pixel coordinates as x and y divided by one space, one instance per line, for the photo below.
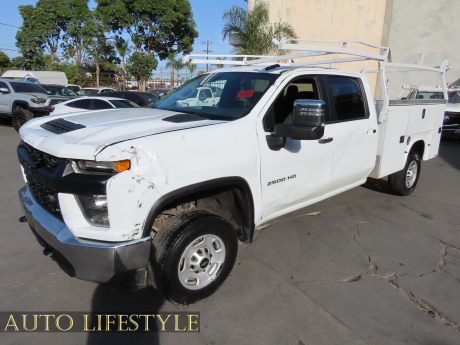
202 96
165 193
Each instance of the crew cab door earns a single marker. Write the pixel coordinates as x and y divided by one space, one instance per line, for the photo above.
300 173
353 130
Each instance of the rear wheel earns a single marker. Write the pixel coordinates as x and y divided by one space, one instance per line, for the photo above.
192 255
21 116
404 181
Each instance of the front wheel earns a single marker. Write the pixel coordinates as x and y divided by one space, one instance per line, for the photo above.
21 116
404 181
192 256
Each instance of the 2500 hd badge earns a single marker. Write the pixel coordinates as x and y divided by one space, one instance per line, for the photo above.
280 180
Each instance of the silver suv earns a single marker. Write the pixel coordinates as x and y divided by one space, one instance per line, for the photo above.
22 101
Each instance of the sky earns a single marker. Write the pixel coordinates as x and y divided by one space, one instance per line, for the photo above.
207 15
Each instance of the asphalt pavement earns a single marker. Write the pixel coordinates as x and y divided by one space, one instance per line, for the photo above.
364 267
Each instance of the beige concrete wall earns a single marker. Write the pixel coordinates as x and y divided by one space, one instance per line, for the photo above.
333 19
423 26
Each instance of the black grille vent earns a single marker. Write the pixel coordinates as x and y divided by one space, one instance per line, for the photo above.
44 159
60 126
45 196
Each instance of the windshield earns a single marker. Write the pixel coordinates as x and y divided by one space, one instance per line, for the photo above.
27 88
219 95
454 97
123 104
87 92
59 90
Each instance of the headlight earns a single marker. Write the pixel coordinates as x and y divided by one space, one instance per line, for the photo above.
446 118
94 208
92 167
38 100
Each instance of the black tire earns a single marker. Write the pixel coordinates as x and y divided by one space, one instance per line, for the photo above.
21 116
397 181
171 242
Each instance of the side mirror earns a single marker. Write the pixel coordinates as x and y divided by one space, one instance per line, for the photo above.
161 95
307 121
4 90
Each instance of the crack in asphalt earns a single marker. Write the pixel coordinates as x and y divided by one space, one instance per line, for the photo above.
419 303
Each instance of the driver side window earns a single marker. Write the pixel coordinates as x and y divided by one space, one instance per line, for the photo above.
281 109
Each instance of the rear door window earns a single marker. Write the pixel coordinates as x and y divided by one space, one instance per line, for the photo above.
347 99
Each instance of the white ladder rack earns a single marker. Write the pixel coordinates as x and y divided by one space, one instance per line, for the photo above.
327 47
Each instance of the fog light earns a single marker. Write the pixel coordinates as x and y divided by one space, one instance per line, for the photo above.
94 208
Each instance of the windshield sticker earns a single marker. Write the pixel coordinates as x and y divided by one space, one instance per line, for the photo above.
248 93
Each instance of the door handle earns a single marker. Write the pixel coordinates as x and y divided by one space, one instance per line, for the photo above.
325 140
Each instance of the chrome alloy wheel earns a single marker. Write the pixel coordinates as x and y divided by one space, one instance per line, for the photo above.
201 261
411 174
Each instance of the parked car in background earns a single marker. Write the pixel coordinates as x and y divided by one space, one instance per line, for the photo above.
73 87
59 90
22 101
451 124
92 91
159 92
91 103
202 96
142 99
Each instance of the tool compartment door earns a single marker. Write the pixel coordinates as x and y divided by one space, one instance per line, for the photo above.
392 140
437 130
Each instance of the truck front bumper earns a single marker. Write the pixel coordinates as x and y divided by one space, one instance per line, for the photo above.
101 262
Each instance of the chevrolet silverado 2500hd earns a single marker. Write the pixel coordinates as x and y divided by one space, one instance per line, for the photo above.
166 192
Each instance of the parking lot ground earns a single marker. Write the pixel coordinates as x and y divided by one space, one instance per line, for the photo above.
364 267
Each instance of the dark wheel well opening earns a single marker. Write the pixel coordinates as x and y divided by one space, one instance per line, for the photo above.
419 147
231 202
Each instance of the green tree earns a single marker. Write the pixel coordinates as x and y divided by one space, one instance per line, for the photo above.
253 29
200 72
76 13
191 68
141 67
154 25
41 28
174 64
17 62
4 61
101 52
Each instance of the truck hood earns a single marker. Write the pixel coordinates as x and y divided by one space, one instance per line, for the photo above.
95 130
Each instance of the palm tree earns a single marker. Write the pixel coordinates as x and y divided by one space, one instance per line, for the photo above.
123 50
177 66
253 28
170 64
219 65
191 68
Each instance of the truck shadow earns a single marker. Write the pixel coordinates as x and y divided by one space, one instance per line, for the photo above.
377 185
449 151
118 299
5 122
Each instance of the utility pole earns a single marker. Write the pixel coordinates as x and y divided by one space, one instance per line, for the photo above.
207 42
